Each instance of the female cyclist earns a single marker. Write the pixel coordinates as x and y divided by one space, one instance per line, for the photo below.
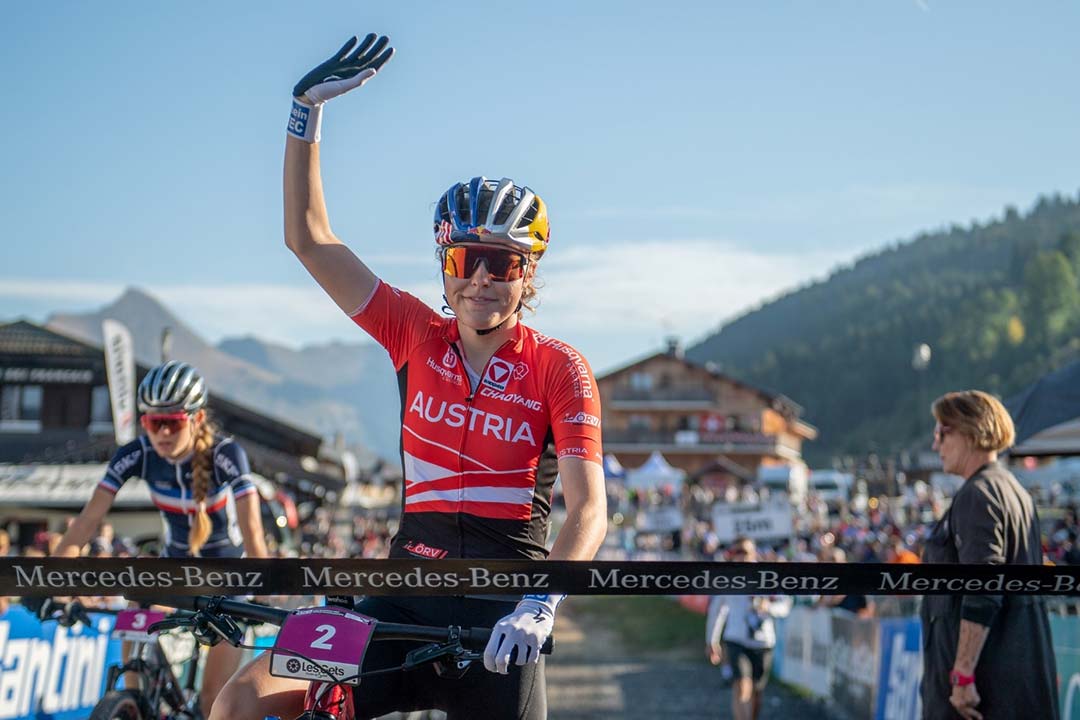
492 410
199 480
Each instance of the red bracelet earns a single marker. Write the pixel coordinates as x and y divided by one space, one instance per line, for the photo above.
959 679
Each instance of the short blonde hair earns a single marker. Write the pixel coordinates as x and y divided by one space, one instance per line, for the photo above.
979 416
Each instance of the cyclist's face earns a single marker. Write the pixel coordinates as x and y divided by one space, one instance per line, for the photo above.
479 302
173 440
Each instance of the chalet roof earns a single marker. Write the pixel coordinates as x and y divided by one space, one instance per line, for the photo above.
775 400
26 338
64 486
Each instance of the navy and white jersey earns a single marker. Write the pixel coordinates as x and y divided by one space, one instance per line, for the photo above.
170 489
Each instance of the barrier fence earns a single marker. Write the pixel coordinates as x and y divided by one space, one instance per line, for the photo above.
872 667
861 667
148 578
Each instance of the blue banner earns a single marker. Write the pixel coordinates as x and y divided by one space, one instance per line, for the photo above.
1066 632
900 670
49 672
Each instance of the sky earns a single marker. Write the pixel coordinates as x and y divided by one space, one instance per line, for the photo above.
697 158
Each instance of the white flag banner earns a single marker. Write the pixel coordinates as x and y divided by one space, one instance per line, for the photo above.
120 369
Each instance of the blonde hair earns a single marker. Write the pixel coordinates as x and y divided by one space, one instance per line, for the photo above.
528 293
202 465
977 415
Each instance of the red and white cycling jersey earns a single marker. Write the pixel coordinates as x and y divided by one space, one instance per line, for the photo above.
479 466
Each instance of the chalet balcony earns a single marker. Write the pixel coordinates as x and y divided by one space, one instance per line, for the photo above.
660 398
692 441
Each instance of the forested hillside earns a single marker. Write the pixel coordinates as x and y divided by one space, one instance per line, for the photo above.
998 303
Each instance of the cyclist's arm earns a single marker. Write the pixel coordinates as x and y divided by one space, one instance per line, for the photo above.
85 524
249 518
586 510
346 279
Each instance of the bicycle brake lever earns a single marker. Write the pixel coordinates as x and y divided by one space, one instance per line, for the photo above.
430 653
212 629
74 613
168 624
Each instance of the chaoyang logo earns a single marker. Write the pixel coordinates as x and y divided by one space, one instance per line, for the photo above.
449 359
63 675
498 374
581 418
513 398
457 415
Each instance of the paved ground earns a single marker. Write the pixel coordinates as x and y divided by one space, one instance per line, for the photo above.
596 680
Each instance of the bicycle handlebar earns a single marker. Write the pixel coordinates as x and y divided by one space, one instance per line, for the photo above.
471 638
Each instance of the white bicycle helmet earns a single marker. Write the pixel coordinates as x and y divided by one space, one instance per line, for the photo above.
172 387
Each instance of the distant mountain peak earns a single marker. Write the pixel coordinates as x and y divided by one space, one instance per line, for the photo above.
331 388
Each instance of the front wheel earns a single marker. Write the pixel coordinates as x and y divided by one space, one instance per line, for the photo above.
119 705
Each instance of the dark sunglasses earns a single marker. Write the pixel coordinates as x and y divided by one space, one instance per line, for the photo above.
940 432
503 265
174 422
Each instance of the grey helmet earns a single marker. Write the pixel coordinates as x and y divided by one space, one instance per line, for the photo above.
172 387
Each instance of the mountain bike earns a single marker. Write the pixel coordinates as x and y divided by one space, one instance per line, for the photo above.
158 694
326 645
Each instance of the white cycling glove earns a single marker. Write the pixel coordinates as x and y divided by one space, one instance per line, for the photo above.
526 630
350 67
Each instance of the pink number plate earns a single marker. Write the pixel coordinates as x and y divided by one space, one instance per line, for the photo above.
133 624
320 643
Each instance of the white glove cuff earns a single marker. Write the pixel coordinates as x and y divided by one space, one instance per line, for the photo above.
544 603
305 121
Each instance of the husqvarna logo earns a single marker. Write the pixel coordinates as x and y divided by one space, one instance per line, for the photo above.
449 360
498 374
520 371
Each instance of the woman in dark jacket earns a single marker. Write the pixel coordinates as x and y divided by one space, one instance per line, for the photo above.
984 656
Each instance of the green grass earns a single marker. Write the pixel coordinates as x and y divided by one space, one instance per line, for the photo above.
645 624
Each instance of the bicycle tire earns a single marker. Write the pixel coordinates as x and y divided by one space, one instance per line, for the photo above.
119 705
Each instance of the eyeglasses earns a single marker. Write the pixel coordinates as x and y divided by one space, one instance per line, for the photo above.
175 422
502 265
940 432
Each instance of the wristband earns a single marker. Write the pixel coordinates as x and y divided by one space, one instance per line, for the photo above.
305 121
958 679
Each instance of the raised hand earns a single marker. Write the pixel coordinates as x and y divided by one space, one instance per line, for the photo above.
350 67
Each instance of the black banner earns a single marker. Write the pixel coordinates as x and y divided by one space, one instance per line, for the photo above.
162 577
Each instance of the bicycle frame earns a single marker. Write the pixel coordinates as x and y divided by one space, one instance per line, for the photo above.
332 700
157 682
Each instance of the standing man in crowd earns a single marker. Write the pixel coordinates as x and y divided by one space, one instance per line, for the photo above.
985 656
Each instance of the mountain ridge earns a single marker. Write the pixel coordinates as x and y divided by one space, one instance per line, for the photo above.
329 389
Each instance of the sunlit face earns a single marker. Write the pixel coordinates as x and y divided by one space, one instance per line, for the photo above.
951 446
172 436
480 302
